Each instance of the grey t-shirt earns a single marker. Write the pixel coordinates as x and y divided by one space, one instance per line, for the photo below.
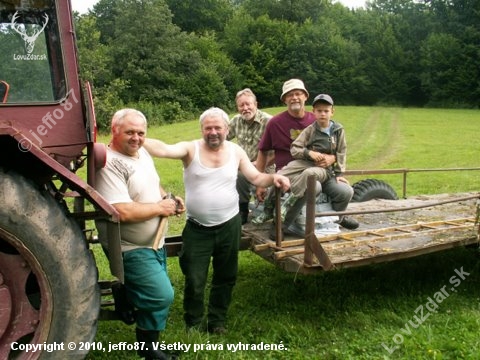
126 179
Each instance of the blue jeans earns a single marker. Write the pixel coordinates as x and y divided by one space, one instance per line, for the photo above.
148 286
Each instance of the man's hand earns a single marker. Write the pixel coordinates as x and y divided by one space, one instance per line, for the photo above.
342 179
180 206
168 207
261 193
172 205
281 182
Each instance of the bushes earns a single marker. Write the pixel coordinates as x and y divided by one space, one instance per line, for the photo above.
163 113
157 114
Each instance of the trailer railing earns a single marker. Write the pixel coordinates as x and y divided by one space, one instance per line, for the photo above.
313 248
405 172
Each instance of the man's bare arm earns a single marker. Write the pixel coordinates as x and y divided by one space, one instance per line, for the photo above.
160 149
137 212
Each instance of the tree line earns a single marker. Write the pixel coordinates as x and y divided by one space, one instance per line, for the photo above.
175 58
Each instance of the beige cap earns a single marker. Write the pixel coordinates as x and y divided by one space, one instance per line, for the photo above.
293 84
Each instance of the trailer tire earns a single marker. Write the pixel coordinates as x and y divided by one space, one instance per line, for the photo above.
48 277
369 189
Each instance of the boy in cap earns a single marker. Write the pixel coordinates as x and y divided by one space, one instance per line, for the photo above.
323 138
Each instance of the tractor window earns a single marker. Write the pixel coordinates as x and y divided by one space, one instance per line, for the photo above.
31 66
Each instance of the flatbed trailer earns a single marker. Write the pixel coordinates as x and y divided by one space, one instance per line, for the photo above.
389 230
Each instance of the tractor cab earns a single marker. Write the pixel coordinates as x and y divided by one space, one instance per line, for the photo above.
31 64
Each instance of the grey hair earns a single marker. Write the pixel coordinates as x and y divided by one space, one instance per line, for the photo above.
120 115
246 91
215 112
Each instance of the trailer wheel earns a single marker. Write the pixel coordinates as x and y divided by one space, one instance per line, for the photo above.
369 189
48 279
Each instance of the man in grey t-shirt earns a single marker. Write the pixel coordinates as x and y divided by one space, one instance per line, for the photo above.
130 183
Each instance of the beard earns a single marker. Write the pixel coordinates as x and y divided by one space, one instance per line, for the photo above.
248 115
296 107
214 141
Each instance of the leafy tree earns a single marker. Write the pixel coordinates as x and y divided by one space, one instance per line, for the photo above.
383 60
295 11
446 71
170 56
151 61
105 12
93 54
458 19
221 68
200 16
259 47
335 66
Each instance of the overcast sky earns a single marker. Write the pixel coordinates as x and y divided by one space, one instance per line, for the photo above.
82 6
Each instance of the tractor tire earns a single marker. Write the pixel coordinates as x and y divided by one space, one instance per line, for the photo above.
48 278
369 189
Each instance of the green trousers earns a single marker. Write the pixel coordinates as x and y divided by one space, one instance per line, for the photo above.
148 286
218 244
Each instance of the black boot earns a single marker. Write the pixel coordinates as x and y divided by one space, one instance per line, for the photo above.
244 212
148 337
123 306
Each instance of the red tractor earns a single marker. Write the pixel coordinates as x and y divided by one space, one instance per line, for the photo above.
49 288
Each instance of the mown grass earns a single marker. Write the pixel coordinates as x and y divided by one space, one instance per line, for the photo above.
348 314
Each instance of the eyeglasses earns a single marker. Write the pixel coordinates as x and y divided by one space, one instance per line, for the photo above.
294 93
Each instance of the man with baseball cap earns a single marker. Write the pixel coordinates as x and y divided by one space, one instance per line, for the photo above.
280 132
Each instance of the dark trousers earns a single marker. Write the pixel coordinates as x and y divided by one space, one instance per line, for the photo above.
218 244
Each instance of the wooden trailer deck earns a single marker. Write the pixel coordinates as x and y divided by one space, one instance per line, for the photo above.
389 230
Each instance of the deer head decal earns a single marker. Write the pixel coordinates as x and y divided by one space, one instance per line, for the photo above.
29 39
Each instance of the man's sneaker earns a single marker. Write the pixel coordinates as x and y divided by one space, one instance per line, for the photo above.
287 204
290 230
349 223
294 230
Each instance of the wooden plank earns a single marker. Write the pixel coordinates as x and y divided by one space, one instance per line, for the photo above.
399 256
377 242
344 263
425 230
318 251
383 236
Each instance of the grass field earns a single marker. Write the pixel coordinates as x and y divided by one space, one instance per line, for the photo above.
422 308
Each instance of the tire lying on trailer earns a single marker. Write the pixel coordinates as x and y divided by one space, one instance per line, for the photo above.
48 278
370 189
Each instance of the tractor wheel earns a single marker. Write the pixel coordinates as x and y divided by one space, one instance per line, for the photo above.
49 292
369 189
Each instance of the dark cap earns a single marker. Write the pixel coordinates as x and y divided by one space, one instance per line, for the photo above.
324 98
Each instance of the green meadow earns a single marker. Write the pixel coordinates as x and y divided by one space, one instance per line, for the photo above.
422 308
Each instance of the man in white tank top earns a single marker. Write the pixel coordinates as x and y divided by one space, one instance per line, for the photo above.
213 228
